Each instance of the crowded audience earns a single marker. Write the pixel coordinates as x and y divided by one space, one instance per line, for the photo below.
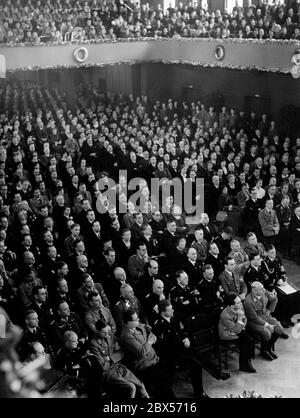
117 290
59 21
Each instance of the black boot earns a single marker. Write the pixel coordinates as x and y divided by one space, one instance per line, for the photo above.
248 368
265 345
271 345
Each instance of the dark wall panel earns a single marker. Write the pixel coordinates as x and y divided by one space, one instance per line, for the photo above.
171 81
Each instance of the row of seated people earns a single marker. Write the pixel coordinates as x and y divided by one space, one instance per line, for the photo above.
153 353
188 297
51 230
222 180
73 21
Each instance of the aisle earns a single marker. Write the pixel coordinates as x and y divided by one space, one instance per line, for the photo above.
277 377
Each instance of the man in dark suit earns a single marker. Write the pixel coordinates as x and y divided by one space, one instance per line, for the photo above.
137 263
144 285
60 292
169 238
192 267
215 259
105 269
137 227
152 299
93 241
70 241
271 194
82 266
208 229
231 280
223 241
112 287
251 211
173 342
41 307
214 192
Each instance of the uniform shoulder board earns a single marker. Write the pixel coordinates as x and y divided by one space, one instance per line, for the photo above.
148 296
156 322
173 288
118 303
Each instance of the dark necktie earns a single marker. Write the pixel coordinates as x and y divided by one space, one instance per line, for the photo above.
101 316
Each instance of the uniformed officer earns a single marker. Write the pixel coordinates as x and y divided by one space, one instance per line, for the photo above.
256 272
127 301
152 300
284 213
288 305
173 345
116 377
66 321
69 357
184 297
258 305
211 293
275 268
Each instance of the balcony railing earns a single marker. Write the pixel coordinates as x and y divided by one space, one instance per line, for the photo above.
262 55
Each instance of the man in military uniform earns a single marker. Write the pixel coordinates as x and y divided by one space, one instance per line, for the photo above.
184 297
256 272
127 301
269 223
152 300
251 211
240 257
173 345
98 311
193 267
32 332
258 305
211 293
87 287
69 358
254 247
288 305
66 321
117 379
284 213
137 342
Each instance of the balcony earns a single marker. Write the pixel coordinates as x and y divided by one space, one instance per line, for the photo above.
270 56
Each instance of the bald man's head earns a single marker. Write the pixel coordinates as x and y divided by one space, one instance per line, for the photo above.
158 287
120 274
